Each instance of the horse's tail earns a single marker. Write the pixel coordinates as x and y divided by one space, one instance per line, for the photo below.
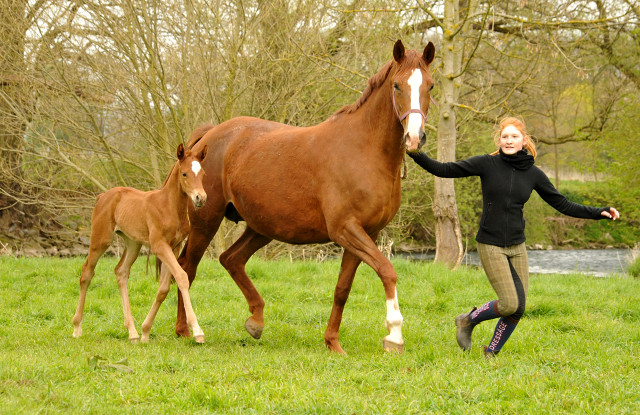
197 134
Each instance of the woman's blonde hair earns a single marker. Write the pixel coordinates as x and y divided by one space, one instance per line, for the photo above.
519 124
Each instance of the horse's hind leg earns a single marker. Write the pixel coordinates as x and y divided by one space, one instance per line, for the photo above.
163 290
195 247
234 260
129 256
100 241
348 269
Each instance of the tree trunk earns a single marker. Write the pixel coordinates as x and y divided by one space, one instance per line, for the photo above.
449 249
12 99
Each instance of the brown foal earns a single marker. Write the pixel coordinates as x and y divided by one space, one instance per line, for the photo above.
158 218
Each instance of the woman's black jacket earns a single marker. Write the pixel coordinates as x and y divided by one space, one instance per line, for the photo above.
507 184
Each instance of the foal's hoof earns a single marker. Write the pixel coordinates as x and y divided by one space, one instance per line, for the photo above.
254 329
199 338
134 340
392 347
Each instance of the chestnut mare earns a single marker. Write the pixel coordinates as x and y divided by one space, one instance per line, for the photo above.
337 181
158 218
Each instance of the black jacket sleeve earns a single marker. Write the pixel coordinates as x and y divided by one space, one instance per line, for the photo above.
470 167
550 194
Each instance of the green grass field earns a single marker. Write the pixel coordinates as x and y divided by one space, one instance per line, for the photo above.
577 349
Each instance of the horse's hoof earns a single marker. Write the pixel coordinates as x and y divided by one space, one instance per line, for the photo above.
144 339
254 329
334 347
199 338
77 335
392 347
134 340
183 332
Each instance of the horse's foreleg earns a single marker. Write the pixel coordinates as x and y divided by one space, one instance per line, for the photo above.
129 256
352 237
164 252
195 247
348 269
234 260
97 247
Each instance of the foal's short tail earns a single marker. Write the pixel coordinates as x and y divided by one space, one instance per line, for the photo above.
197 134
158 268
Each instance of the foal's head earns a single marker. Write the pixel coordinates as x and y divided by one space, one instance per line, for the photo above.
412 85
191 174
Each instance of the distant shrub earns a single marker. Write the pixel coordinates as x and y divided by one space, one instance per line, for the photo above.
634 262
634 268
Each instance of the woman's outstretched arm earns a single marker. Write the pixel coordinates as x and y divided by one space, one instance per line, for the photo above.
550 194
470 167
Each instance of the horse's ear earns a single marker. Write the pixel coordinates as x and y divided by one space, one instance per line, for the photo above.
398 51
180 152
203 154
429 53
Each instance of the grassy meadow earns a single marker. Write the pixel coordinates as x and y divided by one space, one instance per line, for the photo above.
576 350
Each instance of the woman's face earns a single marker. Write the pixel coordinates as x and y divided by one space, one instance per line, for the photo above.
512 140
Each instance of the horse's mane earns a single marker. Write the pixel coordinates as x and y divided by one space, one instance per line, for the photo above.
197 134
411 59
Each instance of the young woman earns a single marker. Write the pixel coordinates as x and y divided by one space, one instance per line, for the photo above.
508 177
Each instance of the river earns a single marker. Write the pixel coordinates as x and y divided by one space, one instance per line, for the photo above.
596 262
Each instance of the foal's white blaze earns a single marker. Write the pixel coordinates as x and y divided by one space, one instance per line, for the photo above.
196 167
415 120
394 321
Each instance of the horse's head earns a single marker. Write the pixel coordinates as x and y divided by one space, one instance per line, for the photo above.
191 174
412 84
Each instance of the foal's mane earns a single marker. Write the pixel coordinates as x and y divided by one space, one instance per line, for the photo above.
411 59
170 173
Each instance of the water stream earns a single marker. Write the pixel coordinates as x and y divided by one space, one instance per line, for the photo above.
596 262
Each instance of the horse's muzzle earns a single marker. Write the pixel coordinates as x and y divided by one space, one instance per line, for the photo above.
413 143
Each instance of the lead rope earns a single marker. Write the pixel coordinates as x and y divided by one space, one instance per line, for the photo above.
404 164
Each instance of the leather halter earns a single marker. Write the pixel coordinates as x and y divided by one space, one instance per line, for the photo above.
411 111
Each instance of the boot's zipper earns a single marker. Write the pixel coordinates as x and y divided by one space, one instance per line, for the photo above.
506 232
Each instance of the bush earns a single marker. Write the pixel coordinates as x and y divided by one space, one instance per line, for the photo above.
634 267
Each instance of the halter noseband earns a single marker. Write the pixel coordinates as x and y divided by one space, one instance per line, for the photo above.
411 111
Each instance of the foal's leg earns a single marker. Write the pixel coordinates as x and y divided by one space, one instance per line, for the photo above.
163 251
348 269
129 256
234 260
163 290
100 241
352 237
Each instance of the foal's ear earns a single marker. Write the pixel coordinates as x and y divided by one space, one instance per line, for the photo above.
180 152
429 53
398 51
203 154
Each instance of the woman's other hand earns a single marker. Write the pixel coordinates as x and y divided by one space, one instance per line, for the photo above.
613 214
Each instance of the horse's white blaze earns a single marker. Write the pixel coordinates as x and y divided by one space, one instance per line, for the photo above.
196 167
394 321
415 120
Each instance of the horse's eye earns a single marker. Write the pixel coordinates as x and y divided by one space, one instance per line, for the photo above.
431 87
396 86
184 174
